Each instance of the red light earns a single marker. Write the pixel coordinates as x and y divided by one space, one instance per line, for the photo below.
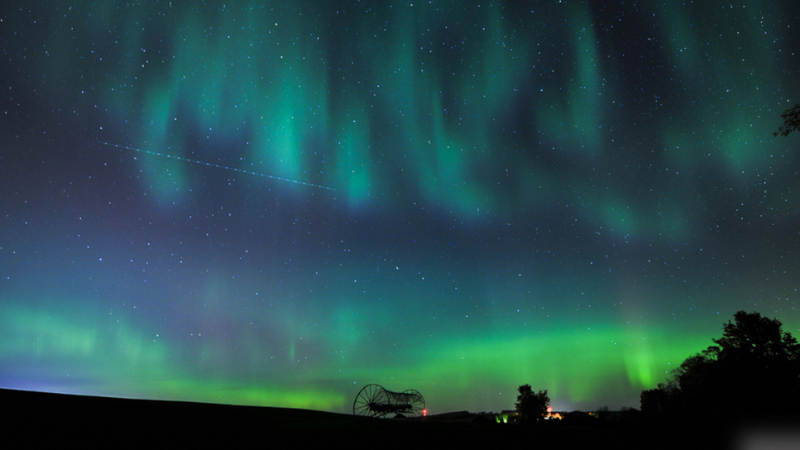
424 412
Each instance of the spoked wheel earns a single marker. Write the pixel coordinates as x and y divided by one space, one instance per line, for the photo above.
416 401
369 401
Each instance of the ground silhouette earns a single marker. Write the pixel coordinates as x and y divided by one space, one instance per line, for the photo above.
40 419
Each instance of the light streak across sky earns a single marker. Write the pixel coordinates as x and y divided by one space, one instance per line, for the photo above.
562 194
217 166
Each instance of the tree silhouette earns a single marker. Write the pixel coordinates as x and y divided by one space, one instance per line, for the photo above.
754 370
755 339
531 406
791 121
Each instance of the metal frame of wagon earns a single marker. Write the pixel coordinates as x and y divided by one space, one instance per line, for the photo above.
375 401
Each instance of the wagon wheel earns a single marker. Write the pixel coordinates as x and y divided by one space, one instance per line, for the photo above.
369 400
416 401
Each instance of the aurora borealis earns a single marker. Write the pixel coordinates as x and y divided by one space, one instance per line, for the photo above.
562 194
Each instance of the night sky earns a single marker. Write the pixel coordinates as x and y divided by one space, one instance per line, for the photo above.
457 197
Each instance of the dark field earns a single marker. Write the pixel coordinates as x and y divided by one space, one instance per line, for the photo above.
47 418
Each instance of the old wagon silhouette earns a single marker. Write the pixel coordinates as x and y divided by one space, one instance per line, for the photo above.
375 401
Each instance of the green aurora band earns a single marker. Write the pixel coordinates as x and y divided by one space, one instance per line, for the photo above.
555 194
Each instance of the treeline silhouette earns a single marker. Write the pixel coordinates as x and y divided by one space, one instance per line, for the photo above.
742 392
751 374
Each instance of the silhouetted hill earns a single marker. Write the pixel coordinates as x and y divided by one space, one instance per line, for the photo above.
47 418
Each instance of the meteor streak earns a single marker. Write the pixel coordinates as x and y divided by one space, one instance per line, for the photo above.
218 166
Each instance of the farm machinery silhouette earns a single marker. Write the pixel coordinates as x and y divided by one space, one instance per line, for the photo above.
375 401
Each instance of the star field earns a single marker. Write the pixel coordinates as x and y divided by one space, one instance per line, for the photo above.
563 194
